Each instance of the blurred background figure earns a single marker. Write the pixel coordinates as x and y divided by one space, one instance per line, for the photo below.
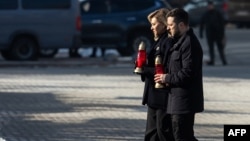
214 24
73 53
94 52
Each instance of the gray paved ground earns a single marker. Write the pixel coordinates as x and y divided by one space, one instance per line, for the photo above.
95 100
104 103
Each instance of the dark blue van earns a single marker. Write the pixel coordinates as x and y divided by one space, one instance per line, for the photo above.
118 24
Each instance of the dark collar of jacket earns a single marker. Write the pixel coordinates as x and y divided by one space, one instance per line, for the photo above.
179 42
164 36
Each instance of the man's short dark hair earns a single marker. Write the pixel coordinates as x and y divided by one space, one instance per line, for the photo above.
179 15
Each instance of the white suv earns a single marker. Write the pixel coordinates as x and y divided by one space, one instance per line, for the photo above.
29 26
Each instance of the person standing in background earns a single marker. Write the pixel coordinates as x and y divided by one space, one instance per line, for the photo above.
214 23
94 51
184 76
158 125
73 53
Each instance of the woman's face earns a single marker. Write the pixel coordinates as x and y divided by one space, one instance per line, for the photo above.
157 27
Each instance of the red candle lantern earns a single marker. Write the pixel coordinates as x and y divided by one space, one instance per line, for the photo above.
158 70
141 58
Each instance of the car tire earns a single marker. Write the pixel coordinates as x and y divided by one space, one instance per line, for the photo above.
134 42
48 53
24 48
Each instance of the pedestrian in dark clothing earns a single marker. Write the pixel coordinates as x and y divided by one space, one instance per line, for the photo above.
158 126
95 50
73 53
214 23
184 76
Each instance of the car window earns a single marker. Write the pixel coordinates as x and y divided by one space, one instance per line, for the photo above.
8 4
118 6
46 4
114 6
143 4
93 7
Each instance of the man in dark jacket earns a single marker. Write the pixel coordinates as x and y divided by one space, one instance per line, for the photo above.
214 24
184 76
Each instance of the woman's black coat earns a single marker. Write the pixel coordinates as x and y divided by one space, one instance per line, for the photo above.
155 98
185 76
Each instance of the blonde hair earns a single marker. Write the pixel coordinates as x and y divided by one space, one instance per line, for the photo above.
160 15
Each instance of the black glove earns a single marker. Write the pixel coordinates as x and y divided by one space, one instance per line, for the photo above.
148 71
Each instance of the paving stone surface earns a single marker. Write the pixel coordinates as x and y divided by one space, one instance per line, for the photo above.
104 103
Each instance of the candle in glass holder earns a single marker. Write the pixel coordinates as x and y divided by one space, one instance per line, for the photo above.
159 70
141 58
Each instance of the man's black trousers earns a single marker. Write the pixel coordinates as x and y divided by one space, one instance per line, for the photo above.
183 127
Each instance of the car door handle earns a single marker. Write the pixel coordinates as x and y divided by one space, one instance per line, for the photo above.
97 21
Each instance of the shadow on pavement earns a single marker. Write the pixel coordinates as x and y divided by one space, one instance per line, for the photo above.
42 117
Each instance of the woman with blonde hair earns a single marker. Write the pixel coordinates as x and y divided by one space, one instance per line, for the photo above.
158 126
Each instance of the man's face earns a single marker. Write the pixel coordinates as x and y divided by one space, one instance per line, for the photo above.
173 28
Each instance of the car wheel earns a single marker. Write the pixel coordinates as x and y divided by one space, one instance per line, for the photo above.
24 48
134 42
48 53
